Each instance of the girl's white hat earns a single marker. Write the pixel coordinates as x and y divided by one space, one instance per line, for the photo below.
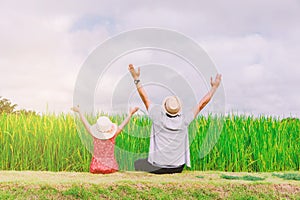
172 105
104 129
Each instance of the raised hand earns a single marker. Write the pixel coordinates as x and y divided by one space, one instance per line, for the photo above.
215 83
76 109
133 110
135 74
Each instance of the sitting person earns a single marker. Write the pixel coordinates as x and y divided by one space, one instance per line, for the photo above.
169 142
104 133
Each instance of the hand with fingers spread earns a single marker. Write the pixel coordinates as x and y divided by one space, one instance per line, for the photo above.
85 122
215 83
136 77
126 120
206 99
76 109
135 74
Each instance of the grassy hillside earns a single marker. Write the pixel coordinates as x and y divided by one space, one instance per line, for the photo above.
136 185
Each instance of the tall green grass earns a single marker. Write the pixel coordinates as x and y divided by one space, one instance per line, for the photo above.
41 143
52 143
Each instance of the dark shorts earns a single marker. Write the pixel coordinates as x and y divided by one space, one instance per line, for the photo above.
144 165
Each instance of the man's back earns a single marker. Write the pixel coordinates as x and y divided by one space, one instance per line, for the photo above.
169 144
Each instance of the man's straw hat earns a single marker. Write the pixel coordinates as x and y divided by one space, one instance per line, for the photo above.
172 105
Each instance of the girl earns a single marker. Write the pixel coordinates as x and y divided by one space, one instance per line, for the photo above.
104 133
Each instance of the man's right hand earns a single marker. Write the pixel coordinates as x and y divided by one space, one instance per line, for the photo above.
135 74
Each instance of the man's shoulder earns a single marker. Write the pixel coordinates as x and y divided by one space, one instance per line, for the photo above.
154 108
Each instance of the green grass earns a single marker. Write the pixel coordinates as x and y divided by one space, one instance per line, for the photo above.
288 176
230 177
123 191
60 143
137 185
143 191
252 178
245 178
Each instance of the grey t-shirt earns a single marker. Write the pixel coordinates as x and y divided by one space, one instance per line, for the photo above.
169 141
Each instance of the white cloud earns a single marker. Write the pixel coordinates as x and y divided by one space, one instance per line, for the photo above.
255 45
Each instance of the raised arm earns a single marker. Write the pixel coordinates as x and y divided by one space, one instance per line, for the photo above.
136 77
126 120
83 119
204 101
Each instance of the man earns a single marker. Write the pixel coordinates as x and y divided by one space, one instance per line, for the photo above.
169 144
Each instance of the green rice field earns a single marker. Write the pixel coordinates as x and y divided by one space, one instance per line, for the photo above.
245 144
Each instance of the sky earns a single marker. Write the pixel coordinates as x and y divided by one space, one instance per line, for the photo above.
254 44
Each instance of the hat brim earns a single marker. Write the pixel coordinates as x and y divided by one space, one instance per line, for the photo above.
165 110
103 135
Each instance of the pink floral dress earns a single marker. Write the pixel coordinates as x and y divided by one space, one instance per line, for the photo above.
103 160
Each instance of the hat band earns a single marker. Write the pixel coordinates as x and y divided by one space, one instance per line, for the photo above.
172 116
101 131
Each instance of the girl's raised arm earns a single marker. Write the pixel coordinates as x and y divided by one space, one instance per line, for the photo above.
83 119
126 120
